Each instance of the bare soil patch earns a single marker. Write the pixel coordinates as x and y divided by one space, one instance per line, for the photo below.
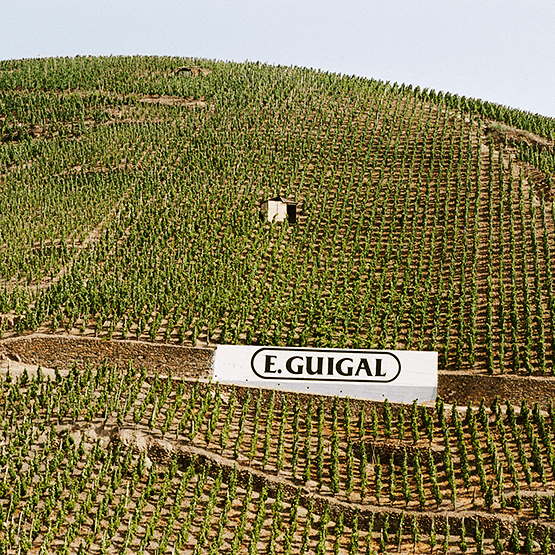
174 101
193 71
507 134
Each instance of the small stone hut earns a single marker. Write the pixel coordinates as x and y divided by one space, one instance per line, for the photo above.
277 209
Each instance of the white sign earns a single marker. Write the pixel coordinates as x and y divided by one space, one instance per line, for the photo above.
400 376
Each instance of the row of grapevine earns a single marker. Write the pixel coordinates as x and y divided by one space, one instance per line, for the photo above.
144 223
489 458
74 493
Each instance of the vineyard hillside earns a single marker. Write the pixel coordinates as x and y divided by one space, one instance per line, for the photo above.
131 195
130 225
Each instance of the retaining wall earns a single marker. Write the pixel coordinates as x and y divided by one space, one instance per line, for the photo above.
196 363
53 351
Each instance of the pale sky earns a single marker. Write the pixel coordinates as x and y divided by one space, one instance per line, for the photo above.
497 50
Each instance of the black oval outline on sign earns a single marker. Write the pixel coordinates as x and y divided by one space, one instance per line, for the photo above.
280 377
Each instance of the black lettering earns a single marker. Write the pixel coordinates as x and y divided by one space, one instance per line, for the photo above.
348 372
269 364
330 366
363 365
289 366
318 370
379 367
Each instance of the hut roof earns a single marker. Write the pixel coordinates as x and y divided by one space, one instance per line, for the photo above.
279 198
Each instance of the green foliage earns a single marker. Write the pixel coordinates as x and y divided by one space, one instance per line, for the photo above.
392 488
514 540
323 531
446 537
401 424
354 539
546 542
463 545
529 541
387 419
433 534
374 423
116 243
414 429
378 479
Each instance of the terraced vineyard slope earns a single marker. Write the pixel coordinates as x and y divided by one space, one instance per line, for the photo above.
130 209
110 460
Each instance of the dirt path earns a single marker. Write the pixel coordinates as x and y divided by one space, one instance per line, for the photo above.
92 236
